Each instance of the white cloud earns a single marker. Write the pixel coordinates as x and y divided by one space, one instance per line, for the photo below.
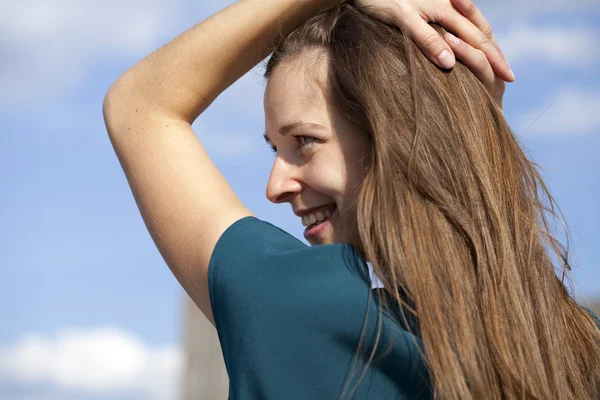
570 111
105 361
573 46
50 47
47 46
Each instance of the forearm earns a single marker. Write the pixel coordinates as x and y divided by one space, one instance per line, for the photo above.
182 78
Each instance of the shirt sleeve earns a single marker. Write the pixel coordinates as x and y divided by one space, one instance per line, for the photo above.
243 262
244 257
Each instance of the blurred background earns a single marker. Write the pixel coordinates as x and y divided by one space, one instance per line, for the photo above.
89 309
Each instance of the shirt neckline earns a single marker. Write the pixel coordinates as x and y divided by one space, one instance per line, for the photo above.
375 281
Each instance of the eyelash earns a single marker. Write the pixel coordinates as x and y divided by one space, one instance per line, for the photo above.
299 139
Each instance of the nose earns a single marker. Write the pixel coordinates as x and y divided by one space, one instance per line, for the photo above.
283 181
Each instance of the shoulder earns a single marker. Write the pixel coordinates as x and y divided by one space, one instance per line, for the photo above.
254 263
261 246
252 250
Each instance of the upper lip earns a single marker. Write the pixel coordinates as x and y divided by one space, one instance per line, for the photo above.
301 213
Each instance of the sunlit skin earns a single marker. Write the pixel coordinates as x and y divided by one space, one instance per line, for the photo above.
316 162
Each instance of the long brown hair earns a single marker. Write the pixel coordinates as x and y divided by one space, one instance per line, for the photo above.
453 215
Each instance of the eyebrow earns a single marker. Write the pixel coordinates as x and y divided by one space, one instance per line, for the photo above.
287 128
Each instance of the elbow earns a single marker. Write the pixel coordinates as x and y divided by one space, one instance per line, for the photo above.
116 106
108 110
128 103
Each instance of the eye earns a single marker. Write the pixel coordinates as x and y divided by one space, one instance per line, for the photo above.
304 141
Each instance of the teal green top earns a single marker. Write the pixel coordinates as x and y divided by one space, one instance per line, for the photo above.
289 319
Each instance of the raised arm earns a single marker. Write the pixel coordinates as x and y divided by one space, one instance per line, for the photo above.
184 200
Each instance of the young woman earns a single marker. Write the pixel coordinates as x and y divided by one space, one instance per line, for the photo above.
385 158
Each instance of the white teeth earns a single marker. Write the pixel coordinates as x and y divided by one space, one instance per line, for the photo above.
318 216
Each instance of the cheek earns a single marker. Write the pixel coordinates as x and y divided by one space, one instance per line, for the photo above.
352 180
330 174
353 171
353 149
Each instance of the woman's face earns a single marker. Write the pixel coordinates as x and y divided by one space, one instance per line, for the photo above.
317 166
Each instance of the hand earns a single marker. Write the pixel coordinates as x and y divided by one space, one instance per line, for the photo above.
478 48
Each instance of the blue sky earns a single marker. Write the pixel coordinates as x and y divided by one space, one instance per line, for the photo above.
83 288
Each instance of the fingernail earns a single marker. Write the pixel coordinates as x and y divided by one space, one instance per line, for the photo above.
452 38
445 59
512 73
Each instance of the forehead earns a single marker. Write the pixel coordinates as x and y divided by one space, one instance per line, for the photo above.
296 91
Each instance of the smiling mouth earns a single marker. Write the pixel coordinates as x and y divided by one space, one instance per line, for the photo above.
318 217
309 227
316 229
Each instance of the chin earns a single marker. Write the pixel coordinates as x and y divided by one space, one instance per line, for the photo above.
317 242
321 241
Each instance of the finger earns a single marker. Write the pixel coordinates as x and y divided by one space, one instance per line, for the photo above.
473 14
429 41
473 58
466 30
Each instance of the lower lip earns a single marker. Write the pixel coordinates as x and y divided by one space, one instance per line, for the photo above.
316 231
